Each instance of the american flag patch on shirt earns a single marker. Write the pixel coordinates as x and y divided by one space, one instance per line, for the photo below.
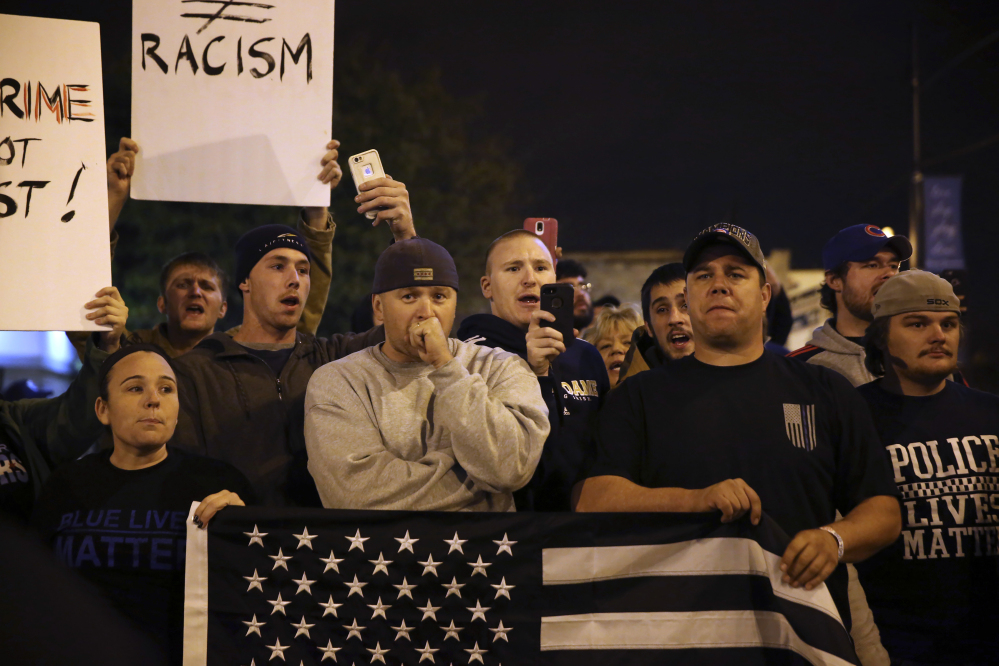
799 423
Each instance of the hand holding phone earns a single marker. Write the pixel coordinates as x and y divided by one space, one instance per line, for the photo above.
363 167
557 298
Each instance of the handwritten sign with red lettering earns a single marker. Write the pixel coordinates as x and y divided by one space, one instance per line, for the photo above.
232 102
53 189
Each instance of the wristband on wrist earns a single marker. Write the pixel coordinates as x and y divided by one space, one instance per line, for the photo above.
839 540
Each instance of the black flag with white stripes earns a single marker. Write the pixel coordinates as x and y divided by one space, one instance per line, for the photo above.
362 587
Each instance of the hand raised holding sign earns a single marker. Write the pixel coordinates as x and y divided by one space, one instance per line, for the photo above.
391 201
331 174
121 167
109 309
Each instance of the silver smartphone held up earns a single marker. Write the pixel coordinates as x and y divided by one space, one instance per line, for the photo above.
366 166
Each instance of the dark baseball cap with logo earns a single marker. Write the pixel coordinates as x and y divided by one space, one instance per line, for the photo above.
254 244
729 234
915 291
860 243
416 262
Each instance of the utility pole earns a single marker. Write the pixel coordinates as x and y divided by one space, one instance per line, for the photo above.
916 186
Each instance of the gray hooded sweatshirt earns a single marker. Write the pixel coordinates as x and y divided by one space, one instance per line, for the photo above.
831 350
387 435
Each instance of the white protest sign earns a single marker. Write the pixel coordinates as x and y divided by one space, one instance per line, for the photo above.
54 253
232 102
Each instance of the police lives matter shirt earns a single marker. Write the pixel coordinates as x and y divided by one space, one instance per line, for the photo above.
934 592
798 434
125 531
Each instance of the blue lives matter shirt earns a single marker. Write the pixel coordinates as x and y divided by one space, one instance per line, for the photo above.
935 592
125 531
798 434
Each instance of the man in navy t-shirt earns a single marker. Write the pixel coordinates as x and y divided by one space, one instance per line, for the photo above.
935 592
738 430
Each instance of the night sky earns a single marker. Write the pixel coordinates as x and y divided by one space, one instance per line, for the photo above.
638 123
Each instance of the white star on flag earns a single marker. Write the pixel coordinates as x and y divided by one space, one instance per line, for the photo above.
402 631
381 564
505 545
429 566
280 560
455 544
355 631
256 536
355 587
479 611
255 581
476 654
454 587
303 584
254 626
305 539
330 607
356 541
500 632
278 605
427 653
404 589
303 628
277 650
379 608
405 543
377 652
452 631
329 652
429 611
502 590
331 562
480 567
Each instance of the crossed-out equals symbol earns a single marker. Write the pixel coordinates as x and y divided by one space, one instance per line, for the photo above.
221 12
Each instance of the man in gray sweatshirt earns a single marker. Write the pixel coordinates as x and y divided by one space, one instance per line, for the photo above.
857 261
423 421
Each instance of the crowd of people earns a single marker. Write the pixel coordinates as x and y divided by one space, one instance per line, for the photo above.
861 445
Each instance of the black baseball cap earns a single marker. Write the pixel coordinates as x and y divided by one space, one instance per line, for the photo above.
861 242
416 262
729 234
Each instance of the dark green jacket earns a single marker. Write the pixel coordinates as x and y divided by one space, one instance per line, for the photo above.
37 435
234 408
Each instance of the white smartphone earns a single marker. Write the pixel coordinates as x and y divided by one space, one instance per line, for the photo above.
366 166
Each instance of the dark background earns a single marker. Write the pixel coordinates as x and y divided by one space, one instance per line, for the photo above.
635 124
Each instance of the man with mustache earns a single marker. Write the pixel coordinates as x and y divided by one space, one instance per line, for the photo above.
666 335
857 262
739 430
243 394
934 591
572 377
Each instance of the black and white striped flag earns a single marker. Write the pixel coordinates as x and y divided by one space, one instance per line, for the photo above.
799 423
350 587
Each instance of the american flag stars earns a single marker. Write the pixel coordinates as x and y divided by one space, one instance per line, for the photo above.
403 601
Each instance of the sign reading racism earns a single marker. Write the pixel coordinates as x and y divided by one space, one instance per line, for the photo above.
232 102
53 190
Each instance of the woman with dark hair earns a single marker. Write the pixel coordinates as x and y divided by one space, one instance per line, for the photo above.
119 517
